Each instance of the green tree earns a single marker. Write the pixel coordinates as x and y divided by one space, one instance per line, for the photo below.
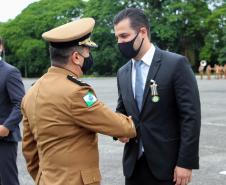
214 49
178 25
25 47
195 28
31 55
107 57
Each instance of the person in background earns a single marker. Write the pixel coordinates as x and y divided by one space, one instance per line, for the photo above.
224 69
201 70
209 71
11 94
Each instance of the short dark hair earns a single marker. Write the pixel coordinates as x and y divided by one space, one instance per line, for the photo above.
61 56
137 19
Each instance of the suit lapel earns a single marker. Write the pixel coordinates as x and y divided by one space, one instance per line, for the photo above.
156 62
129 90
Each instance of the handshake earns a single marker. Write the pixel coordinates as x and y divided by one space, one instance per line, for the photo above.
124 139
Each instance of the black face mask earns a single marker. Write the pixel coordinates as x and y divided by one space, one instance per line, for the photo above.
88 63
127 50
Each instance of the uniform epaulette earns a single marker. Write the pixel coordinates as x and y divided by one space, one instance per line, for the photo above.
33 83
75 80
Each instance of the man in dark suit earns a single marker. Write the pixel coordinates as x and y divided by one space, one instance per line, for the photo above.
11 94
159 90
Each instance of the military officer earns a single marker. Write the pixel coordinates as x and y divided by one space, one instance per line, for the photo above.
61 114
224 69
201 69
208 72
217 71
221 71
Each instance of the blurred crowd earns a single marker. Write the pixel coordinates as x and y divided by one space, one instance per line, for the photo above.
217 72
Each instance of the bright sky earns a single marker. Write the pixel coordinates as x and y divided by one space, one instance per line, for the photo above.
9 9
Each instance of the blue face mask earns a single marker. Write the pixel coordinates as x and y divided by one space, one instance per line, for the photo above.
127 50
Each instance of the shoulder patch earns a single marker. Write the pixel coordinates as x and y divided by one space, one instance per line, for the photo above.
75 80
89 99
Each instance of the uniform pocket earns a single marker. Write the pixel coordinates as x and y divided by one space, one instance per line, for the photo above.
90 176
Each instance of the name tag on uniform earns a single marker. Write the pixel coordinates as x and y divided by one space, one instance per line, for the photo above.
90 99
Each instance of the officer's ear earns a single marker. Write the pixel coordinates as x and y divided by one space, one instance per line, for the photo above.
75 57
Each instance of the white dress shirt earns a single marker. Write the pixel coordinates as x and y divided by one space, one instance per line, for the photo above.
147 60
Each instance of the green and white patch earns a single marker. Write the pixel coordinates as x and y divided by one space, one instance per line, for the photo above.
90 99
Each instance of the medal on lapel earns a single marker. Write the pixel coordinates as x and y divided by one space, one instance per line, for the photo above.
154 93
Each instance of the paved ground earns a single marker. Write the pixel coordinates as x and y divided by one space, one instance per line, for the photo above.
212 145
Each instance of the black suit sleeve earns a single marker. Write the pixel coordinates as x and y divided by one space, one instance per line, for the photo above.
120 106
15 89
188 104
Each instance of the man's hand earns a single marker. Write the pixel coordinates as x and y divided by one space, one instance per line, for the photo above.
124 139
182 176
4 131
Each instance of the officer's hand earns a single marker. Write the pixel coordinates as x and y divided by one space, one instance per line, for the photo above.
124 139
4 131
182 176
